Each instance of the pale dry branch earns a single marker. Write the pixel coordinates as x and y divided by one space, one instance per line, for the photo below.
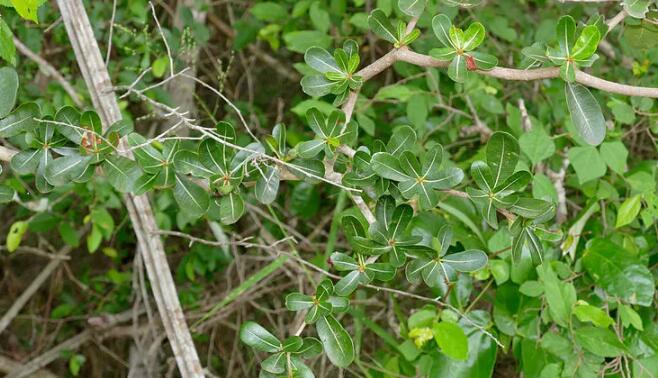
100 87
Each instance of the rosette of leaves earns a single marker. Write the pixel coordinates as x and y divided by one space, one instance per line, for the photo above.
496 181
94 148
383 28
416 179
167 168
571 53
287 358
330 132
321 304
277 143
362 174
361 272
40 142
336 72
458 48
436 268
387 235
337 343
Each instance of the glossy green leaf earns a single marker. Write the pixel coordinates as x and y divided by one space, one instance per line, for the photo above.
587 43
231 208
336 341
586 113
320 60
561 296
585 312
566 34
191 198
8 90
267 185
441 25
457 70
619 272
451 339
628 210
502 156
466 261
381 26
7 47
65 169
413 8
259 338
122 173
602 342
473 36
20 120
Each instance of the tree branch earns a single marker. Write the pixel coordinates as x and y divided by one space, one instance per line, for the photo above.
98 81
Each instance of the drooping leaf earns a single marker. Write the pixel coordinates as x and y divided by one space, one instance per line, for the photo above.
267 185
586 113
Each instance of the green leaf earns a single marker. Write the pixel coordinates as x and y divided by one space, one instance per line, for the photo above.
473 36
483 61
466 261
337 342
346 285
602 342
441 25
298 301
8 89
267 185
566 34
275 364
259 338
311 148
20 120
7 47
231 208
64 170
457 69
65 116
531 288
587 162
619 272
403 139
319 17
121 172
630 317
26 162
302 40
586 113
6 194
320 60
585 312
502 156
587 43
28 8
413 8
561 296
269 11
381 26
451 339
15 235
343 262
628 210
292 344
189 163
445 54
191 198
537 144
388 166
637 8
310 348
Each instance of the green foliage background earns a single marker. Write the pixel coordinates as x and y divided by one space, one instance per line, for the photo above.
500 227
